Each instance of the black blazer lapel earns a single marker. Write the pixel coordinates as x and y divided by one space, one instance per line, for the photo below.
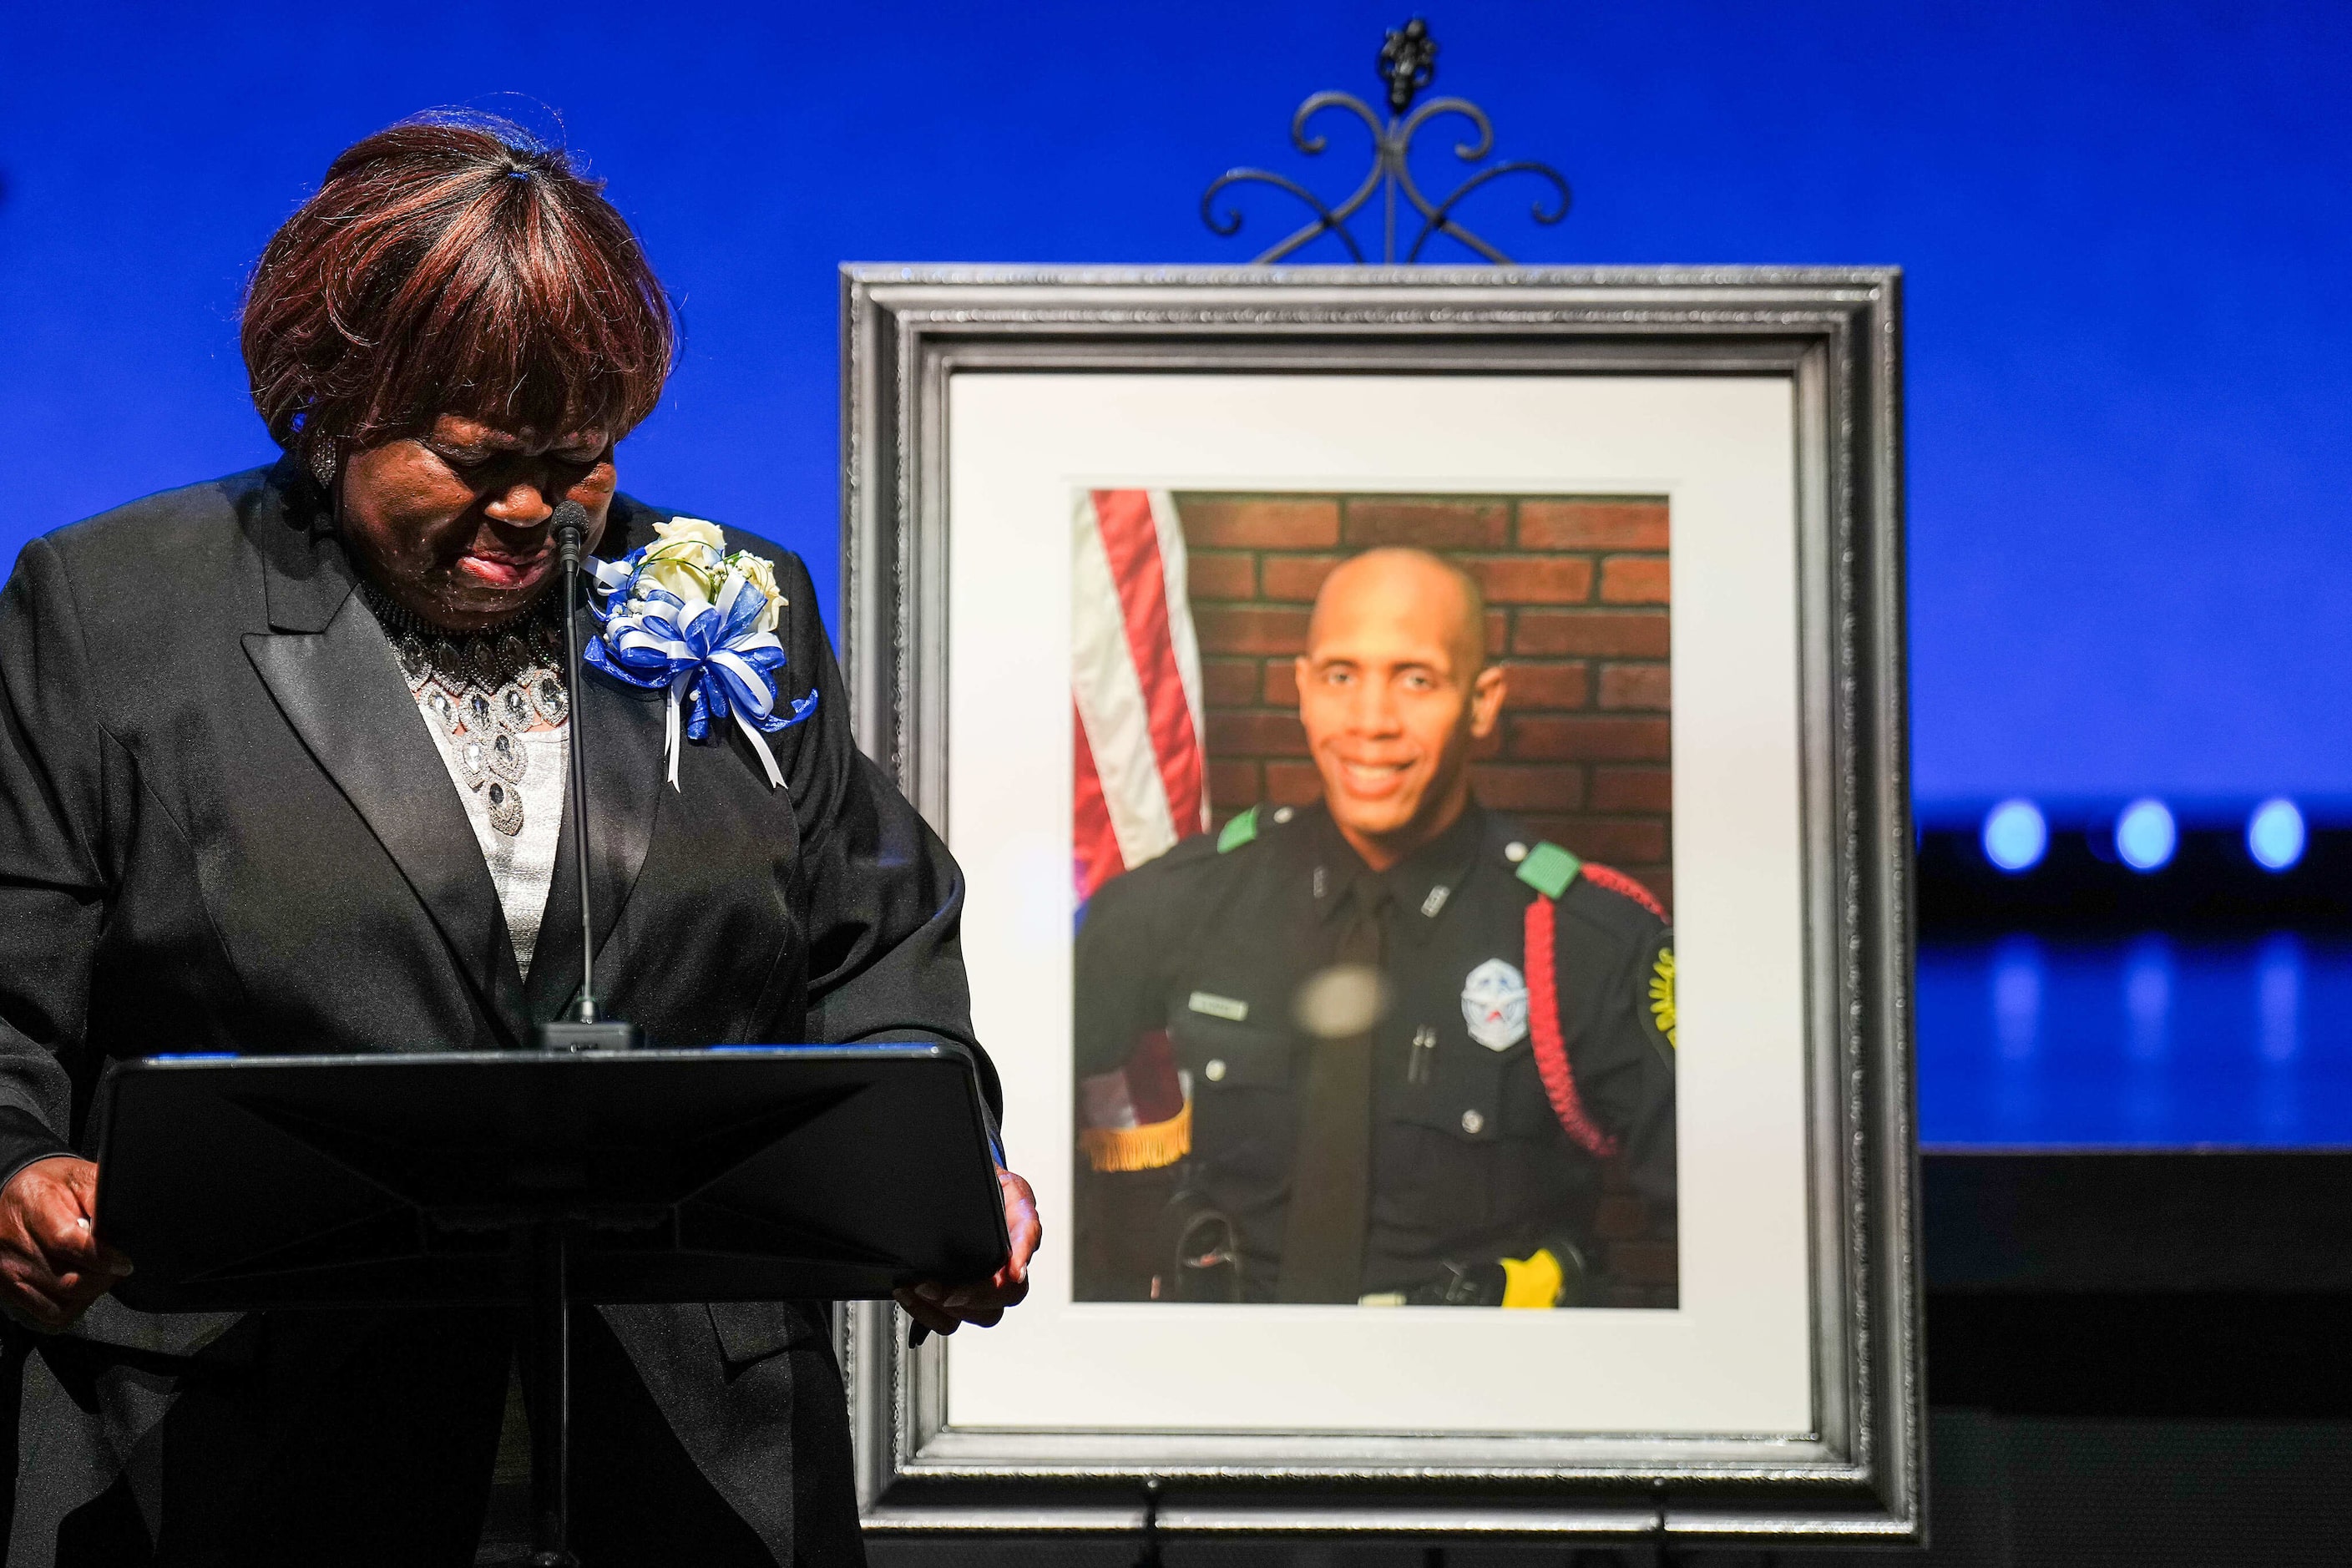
622 731
341 690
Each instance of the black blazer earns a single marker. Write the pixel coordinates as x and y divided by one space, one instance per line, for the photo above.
224 826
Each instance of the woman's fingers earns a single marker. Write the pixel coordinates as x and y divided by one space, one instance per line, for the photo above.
36 1295
82 1183
922 1304
971 1302
52 1265
1006 1289
78 1177
1021 1223
943 1308
65 1237
82 1267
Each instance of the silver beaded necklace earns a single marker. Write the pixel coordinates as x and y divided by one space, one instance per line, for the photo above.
486 690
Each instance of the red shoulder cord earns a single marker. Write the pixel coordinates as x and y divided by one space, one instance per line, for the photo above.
1543 1026
1617 882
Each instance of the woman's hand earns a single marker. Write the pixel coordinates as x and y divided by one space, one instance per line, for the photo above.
52 1265
944 1309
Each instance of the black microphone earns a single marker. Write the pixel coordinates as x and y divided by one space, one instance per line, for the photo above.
586 1030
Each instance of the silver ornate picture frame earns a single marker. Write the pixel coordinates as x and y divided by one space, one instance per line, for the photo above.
1848 1463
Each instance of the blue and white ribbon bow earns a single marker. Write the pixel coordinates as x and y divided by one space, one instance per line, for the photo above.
708 652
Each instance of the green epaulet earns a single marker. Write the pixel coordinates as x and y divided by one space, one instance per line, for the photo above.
1238 832
1548 869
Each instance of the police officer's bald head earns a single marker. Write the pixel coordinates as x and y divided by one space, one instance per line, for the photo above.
1403 583
1395 691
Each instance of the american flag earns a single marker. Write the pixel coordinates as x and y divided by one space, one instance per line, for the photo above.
1135 680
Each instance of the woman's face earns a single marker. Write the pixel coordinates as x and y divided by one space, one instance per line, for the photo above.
453 524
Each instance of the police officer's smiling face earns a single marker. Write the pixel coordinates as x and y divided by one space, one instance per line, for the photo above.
1395 693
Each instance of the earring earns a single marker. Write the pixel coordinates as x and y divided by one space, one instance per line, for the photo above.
323 462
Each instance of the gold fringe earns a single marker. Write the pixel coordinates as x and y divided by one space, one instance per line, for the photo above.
1139 1148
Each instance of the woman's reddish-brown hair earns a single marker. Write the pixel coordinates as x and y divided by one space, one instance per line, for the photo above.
452 265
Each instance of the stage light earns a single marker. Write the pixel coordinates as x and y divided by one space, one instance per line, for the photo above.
2015 836
2274 834
2145 836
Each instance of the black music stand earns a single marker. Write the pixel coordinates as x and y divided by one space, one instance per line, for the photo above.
730 1174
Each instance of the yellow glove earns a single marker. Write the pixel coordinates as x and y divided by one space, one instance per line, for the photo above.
1532 1281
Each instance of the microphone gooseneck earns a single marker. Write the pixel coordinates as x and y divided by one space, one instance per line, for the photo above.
586 1030
571 525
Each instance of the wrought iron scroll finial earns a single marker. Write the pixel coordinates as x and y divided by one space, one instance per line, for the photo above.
1408 63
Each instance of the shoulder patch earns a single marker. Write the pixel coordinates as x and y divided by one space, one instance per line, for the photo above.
1238 832
1548 869
1617 882
1655 1005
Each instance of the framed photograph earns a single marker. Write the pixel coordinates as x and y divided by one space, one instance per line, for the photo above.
1427 752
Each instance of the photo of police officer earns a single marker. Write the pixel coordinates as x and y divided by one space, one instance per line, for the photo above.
1387 1048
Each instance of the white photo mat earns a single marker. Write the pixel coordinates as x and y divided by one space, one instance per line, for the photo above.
1736 1357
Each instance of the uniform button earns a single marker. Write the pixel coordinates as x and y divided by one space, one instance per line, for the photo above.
1284 814
1515 852
1472 1122
1216 1071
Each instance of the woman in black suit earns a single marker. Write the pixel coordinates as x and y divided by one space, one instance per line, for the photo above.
280 771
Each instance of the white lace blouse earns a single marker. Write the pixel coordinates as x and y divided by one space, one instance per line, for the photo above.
495 705
522 864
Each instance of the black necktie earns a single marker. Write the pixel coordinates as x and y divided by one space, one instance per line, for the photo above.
1330 1181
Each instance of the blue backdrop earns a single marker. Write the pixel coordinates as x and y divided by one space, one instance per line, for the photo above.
2125 226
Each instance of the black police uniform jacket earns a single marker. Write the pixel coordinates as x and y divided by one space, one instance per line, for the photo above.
223 827
1471 1161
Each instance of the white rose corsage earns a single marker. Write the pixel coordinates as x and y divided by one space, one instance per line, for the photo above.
682 615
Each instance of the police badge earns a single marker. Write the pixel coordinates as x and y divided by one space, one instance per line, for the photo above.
1494 1006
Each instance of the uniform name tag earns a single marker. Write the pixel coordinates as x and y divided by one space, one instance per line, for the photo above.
1217 1007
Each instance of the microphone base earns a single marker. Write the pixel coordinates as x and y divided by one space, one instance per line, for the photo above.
607 1035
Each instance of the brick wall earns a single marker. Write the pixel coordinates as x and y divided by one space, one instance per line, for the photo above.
1577 611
